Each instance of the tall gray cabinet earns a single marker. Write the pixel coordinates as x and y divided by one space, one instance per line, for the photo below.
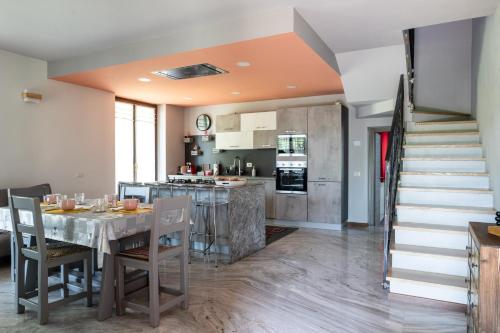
327 131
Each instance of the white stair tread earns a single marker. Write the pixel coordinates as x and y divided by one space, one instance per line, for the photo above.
430 251
430 133
430 227
441 112
432 122
428 278
451 145
437 158
466 209
434 173
444 189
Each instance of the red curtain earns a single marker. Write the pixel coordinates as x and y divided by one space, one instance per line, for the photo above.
384 143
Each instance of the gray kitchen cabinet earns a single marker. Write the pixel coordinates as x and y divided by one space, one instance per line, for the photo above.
227 123
324 202
292 207
325 155
264 139
270 187
292 120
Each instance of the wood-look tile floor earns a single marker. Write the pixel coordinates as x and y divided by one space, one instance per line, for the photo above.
309 281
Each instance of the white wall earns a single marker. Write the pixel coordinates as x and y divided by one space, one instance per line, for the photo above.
443 66
486 91
67 140
372 75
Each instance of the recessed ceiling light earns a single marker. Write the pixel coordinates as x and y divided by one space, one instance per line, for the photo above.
188 98
235 93
243 63
144 79
291 86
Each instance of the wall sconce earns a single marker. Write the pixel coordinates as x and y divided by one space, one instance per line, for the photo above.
29 96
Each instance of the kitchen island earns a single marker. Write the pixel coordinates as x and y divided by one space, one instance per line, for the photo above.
239 214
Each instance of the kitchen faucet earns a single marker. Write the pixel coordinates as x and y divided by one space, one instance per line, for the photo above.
239 164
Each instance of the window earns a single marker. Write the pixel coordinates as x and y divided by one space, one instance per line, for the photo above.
135 141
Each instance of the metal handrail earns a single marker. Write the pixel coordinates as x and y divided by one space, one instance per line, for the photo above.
409 41
392 166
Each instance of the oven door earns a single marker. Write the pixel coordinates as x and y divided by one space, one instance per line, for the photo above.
291 180
292 145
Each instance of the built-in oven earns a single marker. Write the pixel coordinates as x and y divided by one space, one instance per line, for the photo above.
291 177
291 145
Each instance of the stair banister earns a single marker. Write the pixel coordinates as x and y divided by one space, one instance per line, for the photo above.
409 41
392 165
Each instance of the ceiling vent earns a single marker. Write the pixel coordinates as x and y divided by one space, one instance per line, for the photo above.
189 72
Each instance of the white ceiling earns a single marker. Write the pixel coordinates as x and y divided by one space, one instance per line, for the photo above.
61 29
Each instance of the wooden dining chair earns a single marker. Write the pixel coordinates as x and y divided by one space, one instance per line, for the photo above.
46 256
171 215
36 191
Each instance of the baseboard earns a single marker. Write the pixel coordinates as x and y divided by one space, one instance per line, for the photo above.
304 224
357 225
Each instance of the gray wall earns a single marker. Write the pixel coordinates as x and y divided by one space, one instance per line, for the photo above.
486 91
358 162
264 160
443 66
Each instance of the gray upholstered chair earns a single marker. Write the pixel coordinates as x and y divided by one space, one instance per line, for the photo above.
135 190
46 256
170 215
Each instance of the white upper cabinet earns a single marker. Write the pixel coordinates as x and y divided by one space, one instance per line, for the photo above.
259 121
234 140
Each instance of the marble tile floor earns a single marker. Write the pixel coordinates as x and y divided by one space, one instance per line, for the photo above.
308 281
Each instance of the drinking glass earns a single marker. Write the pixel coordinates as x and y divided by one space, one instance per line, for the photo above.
50 199
101 205
111 199
80 198
59 199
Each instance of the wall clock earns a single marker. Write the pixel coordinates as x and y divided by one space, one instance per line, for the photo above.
203 122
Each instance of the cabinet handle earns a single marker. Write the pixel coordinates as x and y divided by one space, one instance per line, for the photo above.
266 145
233 146
474 265
290 131
322 178
321 184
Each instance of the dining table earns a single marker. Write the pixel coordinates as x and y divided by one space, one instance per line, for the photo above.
106 231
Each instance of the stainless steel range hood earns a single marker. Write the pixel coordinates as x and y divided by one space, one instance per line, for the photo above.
189 72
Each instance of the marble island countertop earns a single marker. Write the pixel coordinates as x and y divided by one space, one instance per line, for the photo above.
212 177
239 214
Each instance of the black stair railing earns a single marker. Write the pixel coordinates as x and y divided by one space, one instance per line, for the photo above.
392 166
409 40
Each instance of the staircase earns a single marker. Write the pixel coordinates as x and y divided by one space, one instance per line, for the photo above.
443 185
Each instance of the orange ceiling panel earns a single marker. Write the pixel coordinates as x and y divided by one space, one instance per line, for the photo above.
276 62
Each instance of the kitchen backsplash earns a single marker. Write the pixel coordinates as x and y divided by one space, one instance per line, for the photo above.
263 159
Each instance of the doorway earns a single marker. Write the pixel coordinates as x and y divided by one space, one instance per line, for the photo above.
378 138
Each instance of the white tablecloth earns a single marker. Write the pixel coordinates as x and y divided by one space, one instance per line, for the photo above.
86 228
